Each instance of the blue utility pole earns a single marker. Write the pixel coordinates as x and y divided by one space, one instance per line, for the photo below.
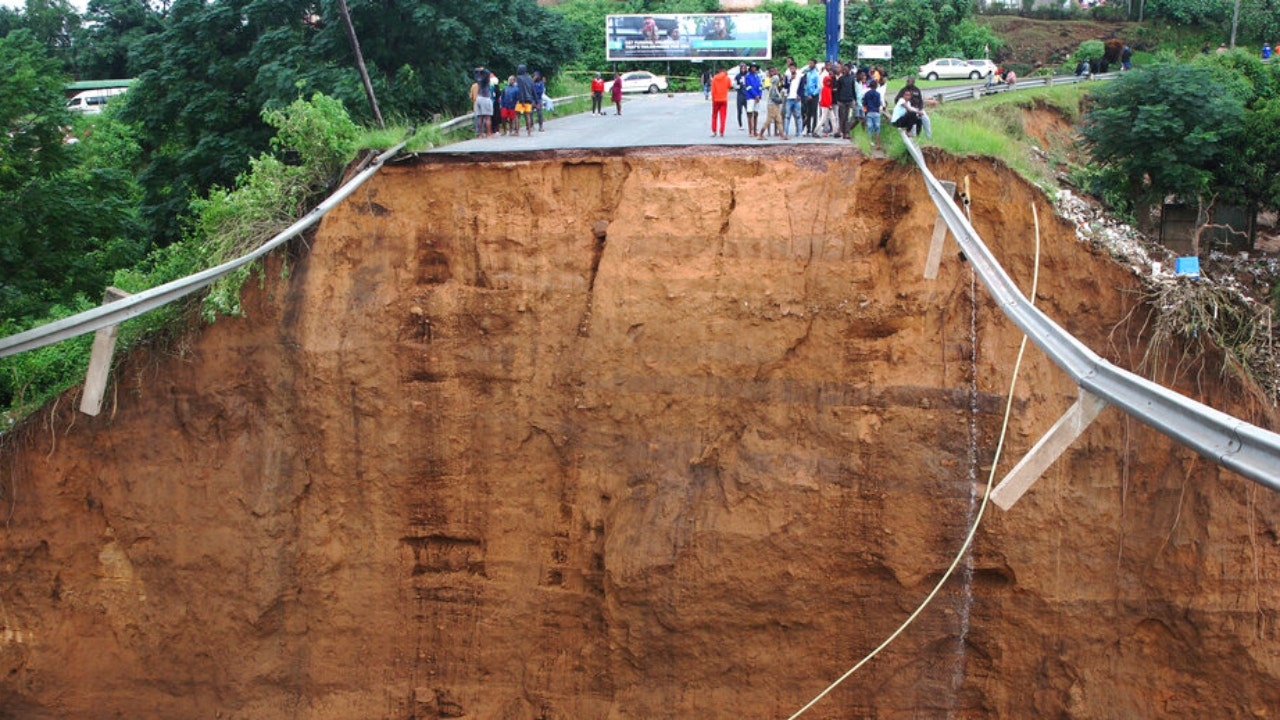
835 28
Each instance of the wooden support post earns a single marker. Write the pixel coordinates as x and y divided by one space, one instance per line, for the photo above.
1064 432
104 347
934 259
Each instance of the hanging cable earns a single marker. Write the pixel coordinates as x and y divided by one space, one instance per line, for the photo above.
986 495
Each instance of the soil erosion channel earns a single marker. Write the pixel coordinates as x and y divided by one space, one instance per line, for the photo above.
657 434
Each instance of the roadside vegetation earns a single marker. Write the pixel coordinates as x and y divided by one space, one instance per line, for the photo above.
243 114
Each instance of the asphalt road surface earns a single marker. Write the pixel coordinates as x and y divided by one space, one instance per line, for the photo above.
646 120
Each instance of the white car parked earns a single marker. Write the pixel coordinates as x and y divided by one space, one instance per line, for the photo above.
642 81
952 69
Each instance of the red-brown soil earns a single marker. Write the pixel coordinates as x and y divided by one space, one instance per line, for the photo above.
665 434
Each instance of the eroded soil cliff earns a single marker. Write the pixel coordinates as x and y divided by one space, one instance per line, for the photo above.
664 434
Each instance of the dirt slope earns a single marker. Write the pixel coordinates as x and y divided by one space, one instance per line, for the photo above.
655 435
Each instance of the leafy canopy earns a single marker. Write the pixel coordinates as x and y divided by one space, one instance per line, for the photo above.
1167 129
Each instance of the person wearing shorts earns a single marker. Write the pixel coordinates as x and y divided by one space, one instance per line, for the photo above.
483 108
509 99
524 99
754 90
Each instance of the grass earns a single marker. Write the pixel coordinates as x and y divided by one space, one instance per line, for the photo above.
993 126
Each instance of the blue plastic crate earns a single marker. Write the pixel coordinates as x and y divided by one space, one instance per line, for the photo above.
1187 267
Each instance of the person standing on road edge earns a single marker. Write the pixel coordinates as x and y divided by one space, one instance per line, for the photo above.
777 98
706 83
524 101
510 97
483 103
871 105
539 95
1266 51
739 84
845 98
720 100
615 92
754 92
793 83
597 95
812 96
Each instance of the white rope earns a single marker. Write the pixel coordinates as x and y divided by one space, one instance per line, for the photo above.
986 496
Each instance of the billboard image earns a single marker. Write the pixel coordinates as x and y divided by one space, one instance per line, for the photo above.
705 36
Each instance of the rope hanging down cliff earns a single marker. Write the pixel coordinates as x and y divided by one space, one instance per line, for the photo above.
986 496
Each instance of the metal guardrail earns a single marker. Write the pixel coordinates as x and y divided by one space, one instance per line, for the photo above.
976 91
135 305
1228 441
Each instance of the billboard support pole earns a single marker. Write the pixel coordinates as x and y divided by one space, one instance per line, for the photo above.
835 15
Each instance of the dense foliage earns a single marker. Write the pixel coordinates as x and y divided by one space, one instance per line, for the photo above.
67 211
1197 131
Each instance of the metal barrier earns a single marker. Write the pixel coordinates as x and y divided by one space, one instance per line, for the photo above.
976 91
135 305
1228 441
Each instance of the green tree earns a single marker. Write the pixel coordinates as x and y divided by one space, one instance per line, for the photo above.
1166 130
218 63
111 29
66 221
799 31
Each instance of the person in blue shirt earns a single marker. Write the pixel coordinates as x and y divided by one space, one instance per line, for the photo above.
539 92
1266 51
510 126
754 90
872 104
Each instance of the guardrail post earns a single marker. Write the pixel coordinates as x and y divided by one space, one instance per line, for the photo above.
977 93
934 260
1048 449
104 347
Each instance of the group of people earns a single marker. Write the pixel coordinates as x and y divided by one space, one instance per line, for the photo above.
499 108
819 100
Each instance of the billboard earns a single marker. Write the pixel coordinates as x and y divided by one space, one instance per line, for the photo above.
704 36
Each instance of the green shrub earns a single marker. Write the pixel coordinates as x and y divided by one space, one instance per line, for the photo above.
317 138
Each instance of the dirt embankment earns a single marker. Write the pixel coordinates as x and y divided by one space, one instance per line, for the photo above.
658 435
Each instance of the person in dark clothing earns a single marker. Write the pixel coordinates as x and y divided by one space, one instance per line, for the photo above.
539 89
706 83
917 97
524 99
740 88
845 98
510 99
812 89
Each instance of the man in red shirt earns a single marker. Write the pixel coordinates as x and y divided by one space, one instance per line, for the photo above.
719 100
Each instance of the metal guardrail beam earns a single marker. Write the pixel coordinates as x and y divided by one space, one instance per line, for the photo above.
135 305
1228 441
970 91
